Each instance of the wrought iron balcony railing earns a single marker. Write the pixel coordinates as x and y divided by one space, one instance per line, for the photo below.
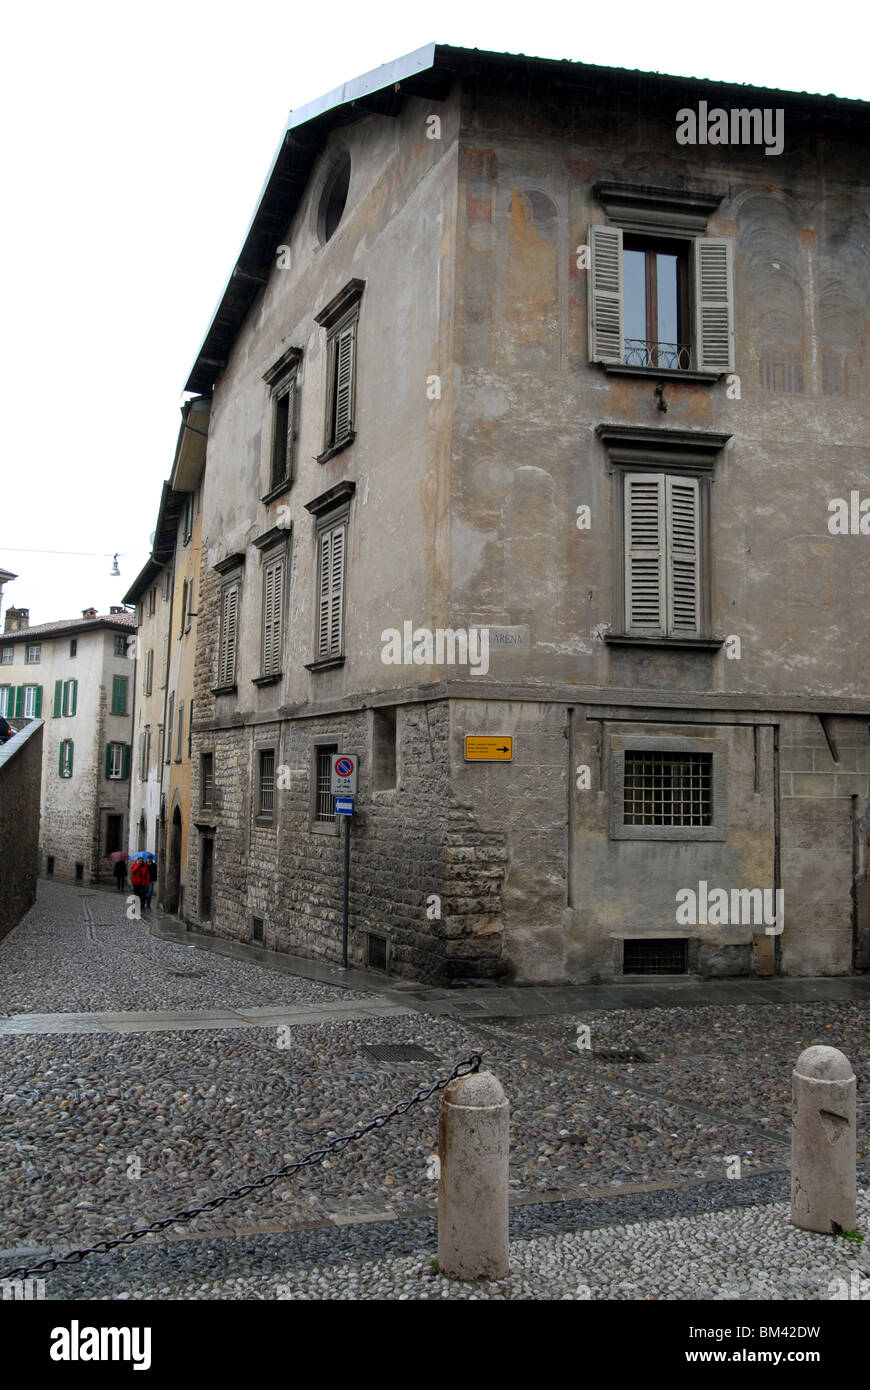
640 352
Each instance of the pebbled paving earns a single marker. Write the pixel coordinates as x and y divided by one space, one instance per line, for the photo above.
143 1073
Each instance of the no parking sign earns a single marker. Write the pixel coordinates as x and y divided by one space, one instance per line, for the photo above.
344 773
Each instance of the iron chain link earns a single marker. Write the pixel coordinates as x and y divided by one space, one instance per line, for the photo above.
466 1068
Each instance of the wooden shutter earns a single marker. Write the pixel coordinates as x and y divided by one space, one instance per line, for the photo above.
108 759
179 730
170 727
75 696
684 617
37 702
142 756
323 597
714 304
273 594
58 698
119 694
60 760
125 761
645 553
604 295
165 661
332 548
229 626
19 700
343 399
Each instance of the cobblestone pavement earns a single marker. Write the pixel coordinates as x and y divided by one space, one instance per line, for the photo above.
620 1159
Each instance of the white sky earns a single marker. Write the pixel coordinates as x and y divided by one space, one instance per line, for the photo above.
135 143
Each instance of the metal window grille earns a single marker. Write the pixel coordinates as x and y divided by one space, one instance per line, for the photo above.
207 779
655 956
668 788
643 352
267 782
324 809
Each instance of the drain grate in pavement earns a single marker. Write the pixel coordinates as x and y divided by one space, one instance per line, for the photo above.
609 1054
398 1052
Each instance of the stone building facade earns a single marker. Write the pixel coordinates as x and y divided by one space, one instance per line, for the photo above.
502 355
165 594
77 675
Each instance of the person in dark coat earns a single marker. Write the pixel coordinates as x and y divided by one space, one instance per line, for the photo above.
120 872
152 877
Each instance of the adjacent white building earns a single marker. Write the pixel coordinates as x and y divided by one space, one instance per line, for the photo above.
78 674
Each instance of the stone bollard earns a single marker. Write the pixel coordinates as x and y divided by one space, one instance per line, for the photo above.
473 1189
823 1154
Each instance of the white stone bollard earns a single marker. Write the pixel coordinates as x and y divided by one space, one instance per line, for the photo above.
473 1140
823 1151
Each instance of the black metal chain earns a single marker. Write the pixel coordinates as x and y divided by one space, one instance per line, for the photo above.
466 1068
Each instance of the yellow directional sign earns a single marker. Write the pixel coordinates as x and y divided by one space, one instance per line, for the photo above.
489 748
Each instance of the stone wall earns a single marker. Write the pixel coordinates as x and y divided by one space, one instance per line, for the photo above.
20 777
424 873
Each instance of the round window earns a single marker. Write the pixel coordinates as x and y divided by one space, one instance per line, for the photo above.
333 199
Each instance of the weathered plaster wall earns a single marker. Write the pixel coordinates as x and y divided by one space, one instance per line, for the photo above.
527 402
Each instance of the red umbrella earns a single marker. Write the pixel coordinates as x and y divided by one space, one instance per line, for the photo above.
118 854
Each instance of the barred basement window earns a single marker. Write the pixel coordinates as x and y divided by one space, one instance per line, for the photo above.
668 788
323 791
655 956
266 781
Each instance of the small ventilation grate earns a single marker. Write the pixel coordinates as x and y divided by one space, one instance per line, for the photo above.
655 956
398 1052
609 1054
377 951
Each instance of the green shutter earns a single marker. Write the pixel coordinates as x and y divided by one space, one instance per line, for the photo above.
58 697
60 760
75 696
19 700
37 702
70 763
119 694
125 761
108 758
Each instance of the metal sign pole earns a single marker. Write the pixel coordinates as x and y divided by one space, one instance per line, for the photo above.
342 784
346 885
